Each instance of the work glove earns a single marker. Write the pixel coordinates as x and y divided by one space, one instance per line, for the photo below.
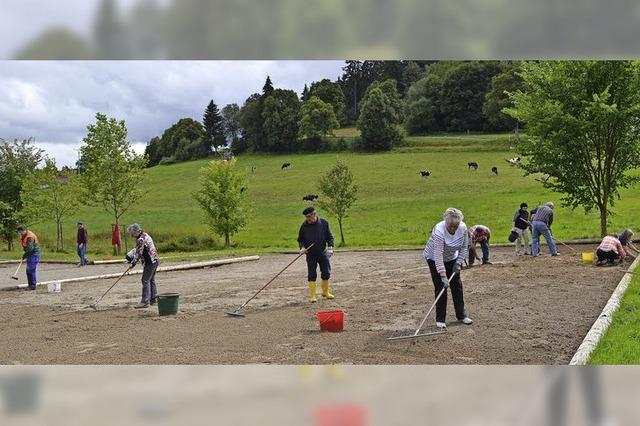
445 281
303 250
457 268
329 252
80 245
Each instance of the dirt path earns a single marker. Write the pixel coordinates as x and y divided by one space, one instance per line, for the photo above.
526 311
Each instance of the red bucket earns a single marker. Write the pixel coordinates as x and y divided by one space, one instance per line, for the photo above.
330 320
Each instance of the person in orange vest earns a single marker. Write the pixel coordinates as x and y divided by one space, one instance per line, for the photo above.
31 248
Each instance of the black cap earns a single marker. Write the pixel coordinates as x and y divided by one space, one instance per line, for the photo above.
308 210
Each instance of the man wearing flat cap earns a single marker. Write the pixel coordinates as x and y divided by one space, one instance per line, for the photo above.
315 230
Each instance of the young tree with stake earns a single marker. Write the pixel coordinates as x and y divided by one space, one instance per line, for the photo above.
51 194
583 126
221 197
113 171
339 193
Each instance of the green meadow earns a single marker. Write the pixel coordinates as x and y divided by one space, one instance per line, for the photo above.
396 206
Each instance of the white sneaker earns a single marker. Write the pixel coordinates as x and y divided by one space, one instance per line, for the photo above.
441 324
466 320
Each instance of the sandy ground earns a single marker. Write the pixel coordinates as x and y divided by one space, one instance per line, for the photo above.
526 311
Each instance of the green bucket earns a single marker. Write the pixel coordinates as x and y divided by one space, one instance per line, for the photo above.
168 303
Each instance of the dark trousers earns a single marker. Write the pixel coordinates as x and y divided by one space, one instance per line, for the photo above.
484 244
149 282
609 256
32 265
456 291
313 260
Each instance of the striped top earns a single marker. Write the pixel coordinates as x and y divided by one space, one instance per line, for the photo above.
443 247
543 214
479 233
610 243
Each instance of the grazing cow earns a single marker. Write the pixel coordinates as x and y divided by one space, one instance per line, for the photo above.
285 166
494 170
253 169
472 165
515 161
425 174
310 197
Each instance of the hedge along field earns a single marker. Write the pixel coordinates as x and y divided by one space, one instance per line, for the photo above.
396 206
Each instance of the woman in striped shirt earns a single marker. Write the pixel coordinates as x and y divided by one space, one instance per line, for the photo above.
445 251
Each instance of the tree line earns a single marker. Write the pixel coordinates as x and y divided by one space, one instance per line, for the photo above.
385 100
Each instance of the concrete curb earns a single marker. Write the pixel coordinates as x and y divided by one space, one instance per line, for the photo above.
600 326
197 265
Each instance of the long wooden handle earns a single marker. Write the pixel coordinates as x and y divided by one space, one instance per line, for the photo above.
433 305
276 276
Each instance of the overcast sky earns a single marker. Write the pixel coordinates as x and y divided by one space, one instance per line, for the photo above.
54 101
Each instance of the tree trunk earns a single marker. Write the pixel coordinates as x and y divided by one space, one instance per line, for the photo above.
341 233
603 221
226 239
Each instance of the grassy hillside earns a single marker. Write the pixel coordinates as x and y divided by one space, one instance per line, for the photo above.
396 206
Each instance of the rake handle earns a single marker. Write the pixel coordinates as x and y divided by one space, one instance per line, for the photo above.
15 274
276 276
112 285
557 241
444 288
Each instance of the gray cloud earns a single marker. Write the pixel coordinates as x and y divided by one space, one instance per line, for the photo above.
54 101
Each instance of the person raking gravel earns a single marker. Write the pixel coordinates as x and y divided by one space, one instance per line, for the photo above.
144 250
315 230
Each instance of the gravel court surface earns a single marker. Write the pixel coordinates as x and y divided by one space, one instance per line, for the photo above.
526 311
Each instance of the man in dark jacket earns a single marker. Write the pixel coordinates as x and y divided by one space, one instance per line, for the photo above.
82 241
315 230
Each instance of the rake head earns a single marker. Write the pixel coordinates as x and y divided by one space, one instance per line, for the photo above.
235 313
414 336
94 306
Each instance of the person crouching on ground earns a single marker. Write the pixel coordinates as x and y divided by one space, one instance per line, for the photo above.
479 234
144 250
521 222
31 248
625 239
541 223
445 251
610 251
315 230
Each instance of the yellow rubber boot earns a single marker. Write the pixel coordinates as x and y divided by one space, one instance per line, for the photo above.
325 290
312 292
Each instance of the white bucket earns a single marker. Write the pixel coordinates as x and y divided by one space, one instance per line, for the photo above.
54 287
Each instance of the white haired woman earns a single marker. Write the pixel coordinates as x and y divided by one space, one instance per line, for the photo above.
144 250
445 251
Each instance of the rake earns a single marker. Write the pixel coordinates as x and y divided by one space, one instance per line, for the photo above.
556 240
15 275
433 305
94 305
238 313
